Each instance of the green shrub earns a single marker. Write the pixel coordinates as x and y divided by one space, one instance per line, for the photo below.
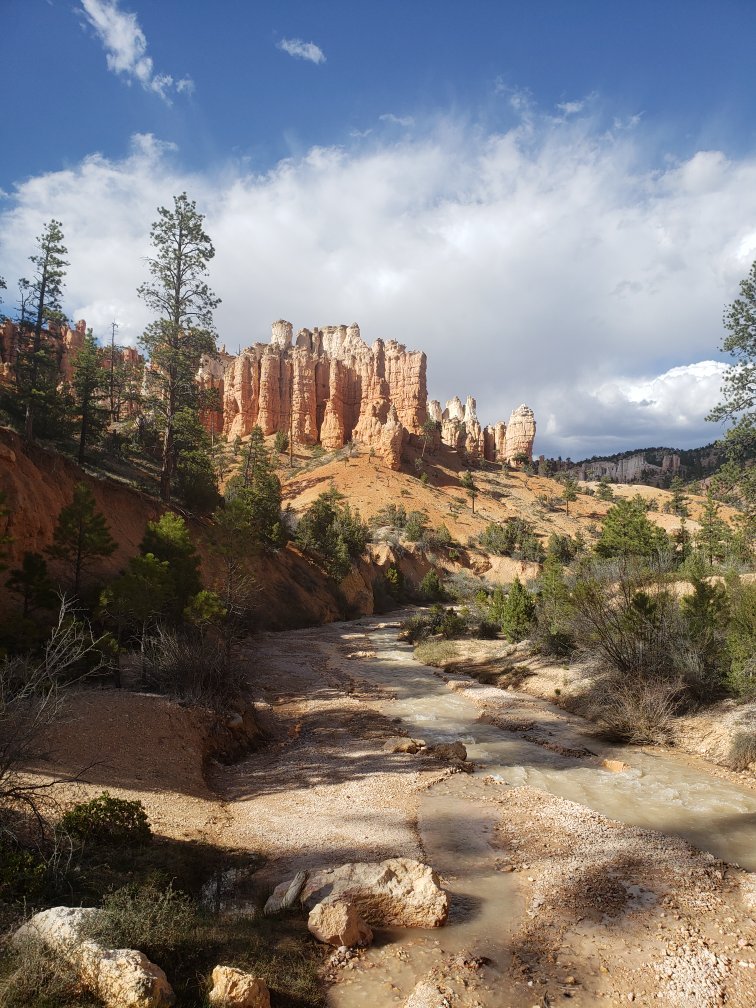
432 588
517 613
23 873
331 530
416 525
108 820
452 625
394 581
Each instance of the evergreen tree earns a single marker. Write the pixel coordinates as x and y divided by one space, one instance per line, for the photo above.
89 385
36 364
183 328
570 492
553 606
195 476
605 491
517 614
259 490
467 481
32 582
678 503
81 535
135 600
714 536
739 387
628 532
168 539
331 530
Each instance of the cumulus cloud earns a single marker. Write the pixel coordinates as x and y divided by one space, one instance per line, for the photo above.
125 47
302 50
551 263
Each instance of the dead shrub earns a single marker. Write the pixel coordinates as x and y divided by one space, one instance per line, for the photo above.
191 668
742 751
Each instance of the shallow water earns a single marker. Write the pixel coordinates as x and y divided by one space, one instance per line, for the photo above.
658 791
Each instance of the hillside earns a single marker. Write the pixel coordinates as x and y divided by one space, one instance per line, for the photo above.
502 493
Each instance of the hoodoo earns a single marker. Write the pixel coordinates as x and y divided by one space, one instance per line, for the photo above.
327 385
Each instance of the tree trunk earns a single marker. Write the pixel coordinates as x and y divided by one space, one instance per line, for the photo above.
166 472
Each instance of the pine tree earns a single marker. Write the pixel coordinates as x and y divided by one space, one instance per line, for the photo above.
168 539
183 328
36 365
569 493
32 582
678 502
714 535
259 490
467 481
135 600
81 535
90 391
196 481
739 387
517 613
628 532
604 490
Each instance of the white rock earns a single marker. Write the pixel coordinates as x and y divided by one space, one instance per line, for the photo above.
121 978
398 891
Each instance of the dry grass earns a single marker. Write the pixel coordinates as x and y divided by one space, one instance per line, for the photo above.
439 654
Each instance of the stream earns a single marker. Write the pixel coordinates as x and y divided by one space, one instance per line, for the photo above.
659 791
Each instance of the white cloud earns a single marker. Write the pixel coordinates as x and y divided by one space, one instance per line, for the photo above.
549 264
396 120
571 107
302 50
126 48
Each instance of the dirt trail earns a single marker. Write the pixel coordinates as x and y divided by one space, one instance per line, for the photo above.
551 901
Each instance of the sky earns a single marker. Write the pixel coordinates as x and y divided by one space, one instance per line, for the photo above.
554 200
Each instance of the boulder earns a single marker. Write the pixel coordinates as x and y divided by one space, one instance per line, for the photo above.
448 751
337 921
398 891
121 978
401 744
234 989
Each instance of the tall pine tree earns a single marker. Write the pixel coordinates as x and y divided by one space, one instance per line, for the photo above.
182 331
89 386
36 365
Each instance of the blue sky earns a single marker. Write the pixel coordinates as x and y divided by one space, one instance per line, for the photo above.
554 200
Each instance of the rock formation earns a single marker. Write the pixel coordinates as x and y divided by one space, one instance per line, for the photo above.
461 430
520 434
325 386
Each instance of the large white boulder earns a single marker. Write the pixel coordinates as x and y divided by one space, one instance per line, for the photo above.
121 978
398 891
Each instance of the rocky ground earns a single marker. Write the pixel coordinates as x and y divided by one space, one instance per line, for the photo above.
593 911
